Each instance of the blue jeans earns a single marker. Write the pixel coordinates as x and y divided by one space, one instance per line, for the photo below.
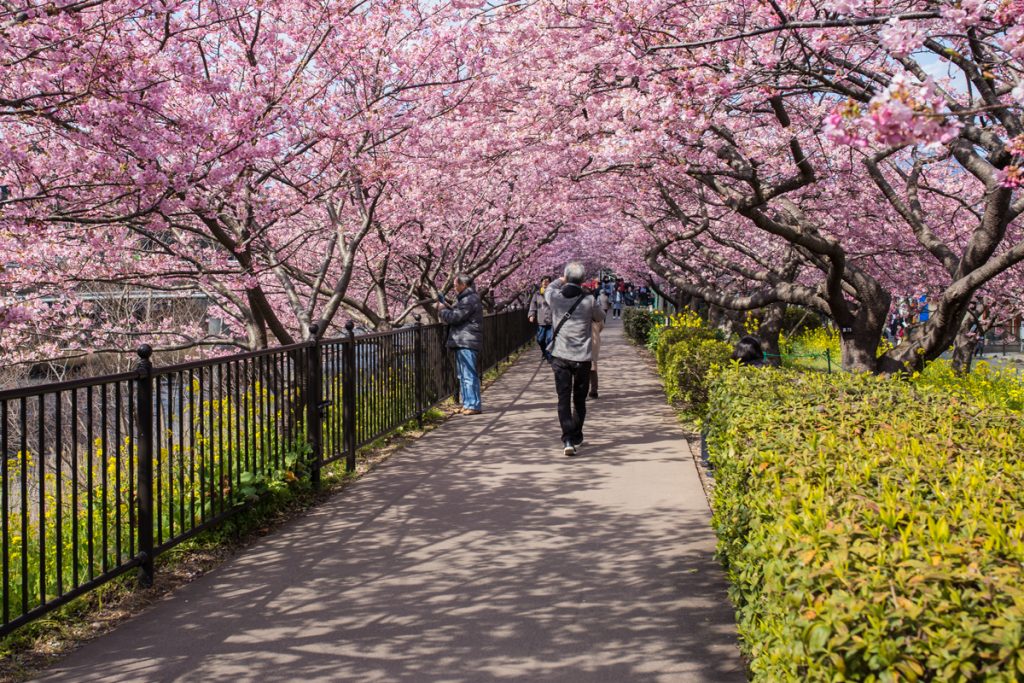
544 333
469 379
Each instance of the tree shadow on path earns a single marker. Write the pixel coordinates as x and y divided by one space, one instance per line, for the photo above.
479 554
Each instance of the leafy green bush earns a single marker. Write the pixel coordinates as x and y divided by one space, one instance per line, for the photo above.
686 350
686 366
654 337
984 385
872 529
638 322
669 337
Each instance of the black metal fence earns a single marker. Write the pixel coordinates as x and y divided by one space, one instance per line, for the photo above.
101 475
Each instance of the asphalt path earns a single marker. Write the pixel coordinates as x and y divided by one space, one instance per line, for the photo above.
478 554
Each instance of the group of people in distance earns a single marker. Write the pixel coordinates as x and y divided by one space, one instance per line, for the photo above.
906 312
569 318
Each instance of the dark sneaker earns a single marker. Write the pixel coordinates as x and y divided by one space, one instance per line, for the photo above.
568 449
471 411
579 443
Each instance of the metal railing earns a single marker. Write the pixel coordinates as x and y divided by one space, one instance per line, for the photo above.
101 475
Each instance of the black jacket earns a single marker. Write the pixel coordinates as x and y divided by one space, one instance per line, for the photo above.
466 321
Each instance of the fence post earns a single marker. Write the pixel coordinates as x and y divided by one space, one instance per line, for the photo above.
418 369
144 501
314 396
348 397
828 359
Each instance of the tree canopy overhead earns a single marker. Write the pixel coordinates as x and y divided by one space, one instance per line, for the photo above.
305 162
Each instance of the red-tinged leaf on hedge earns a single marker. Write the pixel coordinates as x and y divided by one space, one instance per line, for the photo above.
762 467
808 555
810 614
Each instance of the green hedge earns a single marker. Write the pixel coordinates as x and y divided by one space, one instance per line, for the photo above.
685 356
638 322
872 530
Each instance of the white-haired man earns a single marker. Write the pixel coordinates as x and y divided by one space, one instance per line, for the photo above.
573 312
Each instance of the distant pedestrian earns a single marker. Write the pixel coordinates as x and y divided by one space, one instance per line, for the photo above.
595 351
923 308
893 328
749 351
618 298
540 313
604 302
981 321
465 318
573 312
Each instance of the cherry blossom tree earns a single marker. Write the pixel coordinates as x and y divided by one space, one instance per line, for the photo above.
236 149
838 171
301 162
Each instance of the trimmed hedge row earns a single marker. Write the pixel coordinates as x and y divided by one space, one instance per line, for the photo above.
637 323
873 530
686 351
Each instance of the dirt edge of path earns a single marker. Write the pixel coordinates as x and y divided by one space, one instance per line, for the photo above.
54 636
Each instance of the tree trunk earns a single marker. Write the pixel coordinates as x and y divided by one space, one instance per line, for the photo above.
769 331
963 347
859 352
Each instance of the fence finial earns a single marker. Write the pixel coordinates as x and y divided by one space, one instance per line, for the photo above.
145 351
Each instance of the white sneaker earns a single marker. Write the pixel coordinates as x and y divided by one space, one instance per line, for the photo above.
568 449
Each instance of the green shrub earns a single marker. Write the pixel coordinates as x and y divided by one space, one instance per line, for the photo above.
667 339
872 529
670 336
685 369
637 323
984 385
686 350
654 337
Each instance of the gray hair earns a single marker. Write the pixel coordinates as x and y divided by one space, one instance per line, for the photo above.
575 271
464 279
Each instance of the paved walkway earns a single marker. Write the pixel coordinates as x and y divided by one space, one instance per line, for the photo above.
479 554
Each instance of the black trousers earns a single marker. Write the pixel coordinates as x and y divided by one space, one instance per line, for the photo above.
572 382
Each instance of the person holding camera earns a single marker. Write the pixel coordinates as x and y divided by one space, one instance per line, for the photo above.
465 320
573 312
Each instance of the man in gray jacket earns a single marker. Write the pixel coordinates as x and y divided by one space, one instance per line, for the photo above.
540 313
465 318
573 312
